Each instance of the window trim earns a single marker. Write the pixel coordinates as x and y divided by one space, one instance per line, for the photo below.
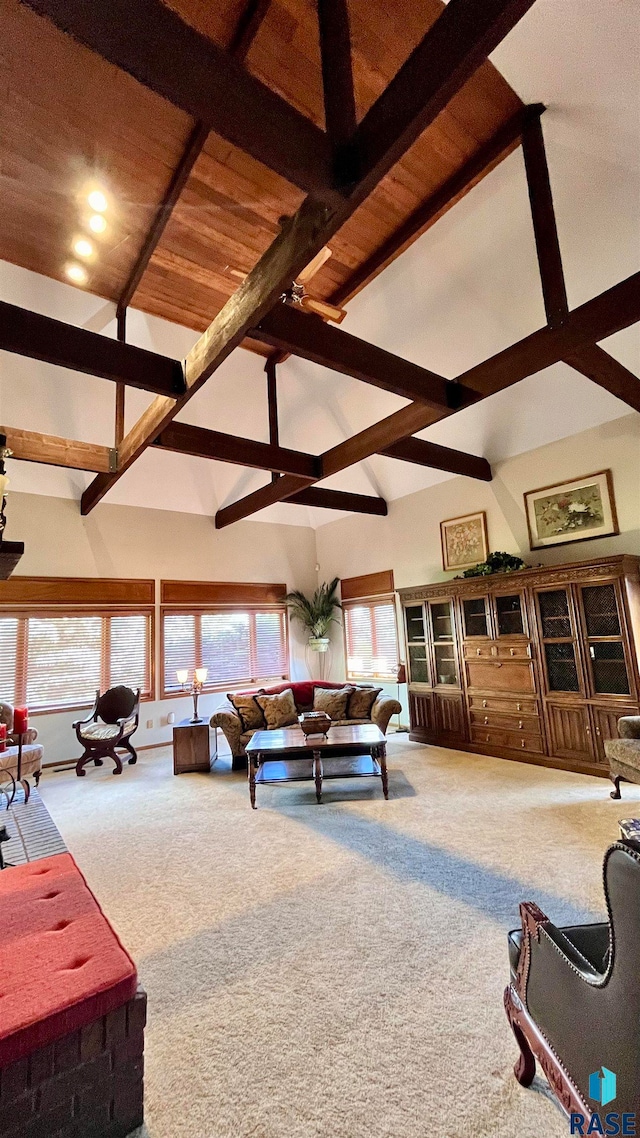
205 610
24 612
370 602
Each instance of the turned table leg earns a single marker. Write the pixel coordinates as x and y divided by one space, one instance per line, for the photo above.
252 780
317 774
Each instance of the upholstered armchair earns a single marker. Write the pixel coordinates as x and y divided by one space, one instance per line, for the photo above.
574 998
119 710
624 753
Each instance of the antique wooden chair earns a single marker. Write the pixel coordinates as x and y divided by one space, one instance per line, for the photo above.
119 710
574 999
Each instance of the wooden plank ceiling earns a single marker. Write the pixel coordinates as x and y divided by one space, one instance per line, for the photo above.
69 117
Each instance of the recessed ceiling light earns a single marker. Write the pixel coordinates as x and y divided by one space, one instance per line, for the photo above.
83 248
76 273
97 201
97 223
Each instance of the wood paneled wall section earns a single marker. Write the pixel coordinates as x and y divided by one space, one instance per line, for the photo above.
203 593
368 585
77 591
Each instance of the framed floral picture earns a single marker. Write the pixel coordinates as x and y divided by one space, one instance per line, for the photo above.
464 541
571 511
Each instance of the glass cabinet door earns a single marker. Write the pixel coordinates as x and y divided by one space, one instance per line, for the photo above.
417 644
415 624
509 617
475 615
558 641
444 651
605 647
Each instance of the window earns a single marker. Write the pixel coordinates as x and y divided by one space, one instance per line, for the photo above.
371 638
56 662
238 646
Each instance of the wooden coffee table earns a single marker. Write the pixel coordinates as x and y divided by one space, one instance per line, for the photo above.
285 755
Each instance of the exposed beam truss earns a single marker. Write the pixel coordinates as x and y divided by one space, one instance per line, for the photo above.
192 73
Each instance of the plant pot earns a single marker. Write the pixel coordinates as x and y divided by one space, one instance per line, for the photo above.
319 643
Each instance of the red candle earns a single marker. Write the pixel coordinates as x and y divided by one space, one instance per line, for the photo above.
20 720
3 736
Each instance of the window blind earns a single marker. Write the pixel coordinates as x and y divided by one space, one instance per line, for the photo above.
56 662
371 639
236 646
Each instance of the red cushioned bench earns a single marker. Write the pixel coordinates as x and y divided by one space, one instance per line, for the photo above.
71 1013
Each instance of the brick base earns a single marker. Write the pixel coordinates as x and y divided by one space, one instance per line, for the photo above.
87 1083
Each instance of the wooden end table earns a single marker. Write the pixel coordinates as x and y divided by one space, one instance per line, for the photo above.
191 748
285 755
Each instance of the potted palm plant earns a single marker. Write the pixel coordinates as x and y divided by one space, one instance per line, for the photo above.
317 613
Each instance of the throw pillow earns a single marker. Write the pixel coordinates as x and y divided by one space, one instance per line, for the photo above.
361 703
247 710
279 710
332 700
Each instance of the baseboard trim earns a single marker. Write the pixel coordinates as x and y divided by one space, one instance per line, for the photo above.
64 763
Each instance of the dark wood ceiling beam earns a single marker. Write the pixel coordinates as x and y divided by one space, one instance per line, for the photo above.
52 341
424 453
267 495
152 43
455 46
320 497
247 29
337 73
179 179
183 438
598 366
272 406
314 224
544 224
427 213
289 329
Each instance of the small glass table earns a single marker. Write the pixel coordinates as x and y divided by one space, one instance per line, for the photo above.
286 755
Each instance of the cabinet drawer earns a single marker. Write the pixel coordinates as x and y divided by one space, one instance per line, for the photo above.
520 651
511 721
500 675
504 703
486 650
520 742
515 741
497 650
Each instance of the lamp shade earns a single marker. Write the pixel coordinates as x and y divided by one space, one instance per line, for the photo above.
182 675
201 674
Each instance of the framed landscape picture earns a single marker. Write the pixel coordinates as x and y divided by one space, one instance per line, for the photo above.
464 541
571 511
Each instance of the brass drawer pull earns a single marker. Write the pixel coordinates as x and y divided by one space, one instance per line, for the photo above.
523 743
518 707
520 725
497 664
486 720
478 651
484 703
512 651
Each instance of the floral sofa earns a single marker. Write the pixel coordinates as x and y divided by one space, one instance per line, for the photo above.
227 718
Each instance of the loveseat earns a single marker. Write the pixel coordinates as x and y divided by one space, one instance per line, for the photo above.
227 718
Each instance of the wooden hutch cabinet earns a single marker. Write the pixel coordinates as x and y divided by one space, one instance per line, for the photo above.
536 665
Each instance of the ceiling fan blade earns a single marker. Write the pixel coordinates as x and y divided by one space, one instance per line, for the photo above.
324 309
314 265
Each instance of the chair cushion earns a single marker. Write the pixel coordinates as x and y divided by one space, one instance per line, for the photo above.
98 732
333 701
279 710
61 963
249 712
361 702
591 941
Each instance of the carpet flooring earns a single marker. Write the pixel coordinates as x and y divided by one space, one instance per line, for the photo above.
336 971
